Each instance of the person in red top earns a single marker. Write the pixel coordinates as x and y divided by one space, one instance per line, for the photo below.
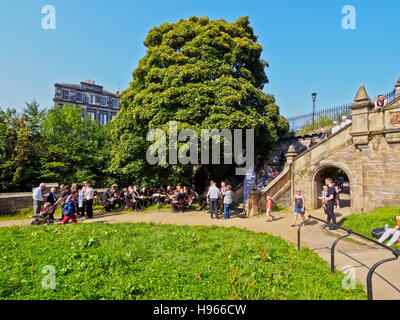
270 217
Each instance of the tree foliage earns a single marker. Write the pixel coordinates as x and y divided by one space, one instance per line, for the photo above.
202 74
57 145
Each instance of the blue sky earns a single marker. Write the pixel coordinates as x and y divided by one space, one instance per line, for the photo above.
304 43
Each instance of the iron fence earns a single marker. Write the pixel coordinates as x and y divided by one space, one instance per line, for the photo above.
325 117
395 252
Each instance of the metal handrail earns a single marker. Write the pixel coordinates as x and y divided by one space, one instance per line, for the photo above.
371 271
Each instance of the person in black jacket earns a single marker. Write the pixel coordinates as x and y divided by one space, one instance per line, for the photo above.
52 196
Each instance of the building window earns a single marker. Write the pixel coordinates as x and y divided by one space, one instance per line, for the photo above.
79 97
103 101
115 104
91 115
113 116
103 118
65 94
92 99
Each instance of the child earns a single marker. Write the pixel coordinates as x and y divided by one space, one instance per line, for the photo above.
69 208
324 197
270 217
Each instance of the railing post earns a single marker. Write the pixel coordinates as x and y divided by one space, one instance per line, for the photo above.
371 272
333 250
298 233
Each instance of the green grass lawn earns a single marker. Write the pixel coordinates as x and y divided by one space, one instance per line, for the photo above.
363 223
148 261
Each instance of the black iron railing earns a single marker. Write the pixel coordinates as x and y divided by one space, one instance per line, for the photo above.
395 252
325 117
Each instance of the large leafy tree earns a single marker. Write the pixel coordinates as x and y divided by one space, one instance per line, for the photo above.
75 149
202 74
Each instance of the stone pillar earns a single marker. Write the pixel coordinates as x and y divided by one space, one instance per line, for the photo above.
290 155
252 203
359 114
397 86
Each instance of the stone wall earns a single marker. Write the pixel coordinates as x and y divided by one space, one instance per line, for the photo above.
10 202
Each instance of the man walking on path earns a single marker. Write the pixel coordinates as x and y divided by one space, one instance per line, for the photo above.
213 194
38 198
330 203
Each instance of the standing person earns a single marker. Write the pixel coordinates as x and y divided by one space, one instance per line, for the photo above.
221 195
299 205
80 203
380 103
228 201
337 196
330 203
213 194
270 217
89 194
69 208
336 127
84 198
324 196
38 198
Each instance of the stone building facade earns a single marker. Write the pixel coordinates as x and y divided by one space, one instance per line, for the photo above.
99 104
367 151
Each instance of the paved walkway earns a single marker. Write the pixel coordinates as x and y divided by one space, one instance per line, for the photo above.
386 281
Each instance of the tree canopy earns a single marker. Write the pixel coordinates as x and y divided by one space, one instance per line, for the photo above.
55 145
204 74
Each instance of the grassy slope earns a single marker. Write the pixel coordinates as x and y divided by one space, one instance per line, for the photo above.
147 261
363 223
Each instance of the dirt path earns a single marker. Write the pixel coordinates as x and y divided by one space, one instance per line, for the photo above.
386 282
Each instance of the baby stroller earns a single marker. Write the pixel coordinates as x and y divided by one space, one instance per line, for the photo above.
46 216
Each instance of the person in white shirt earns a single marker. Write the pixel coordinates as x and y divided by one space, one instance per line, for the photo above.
345 122
89 194
213 194
336 127
38 198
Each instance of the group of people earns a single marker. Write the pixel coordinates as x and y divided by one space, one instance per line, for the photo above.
266 178
219 199
324 134
72 200
132 198
330 201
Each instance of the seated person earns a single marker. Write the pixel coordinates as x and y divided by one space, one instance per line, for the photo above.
324 134
107 199
177 199
336 127
380 102
137 197
312 143
263 175
275 174
260 184
394 232
345 122
128 198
